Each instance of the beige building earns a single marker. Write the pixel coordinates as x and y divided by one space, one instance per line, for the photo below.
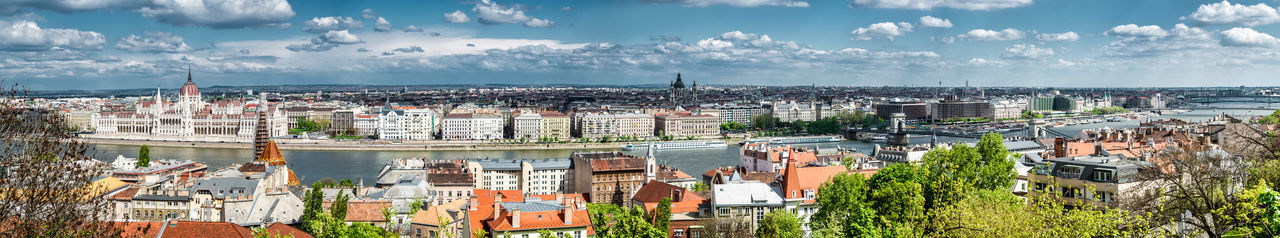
556 125
1095 180
685 125
610 177
469 126
597 125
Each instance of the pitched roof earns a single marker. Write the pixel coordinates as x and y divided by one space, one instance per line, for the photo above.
271 155
653 192
183 229
432 215
282 230
139 229
367 211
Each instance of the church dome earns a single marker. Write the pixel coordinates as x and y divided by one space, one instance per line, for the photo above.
189 88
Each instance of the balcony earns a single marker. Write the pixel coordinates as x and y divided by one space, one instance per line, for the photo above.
1069 175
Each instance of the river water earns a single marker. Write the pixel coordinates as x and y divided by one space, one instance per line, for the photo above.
311 166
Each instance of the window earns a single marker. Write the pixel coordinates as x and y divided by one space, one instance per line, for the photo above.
1102 175
678 233
1069 171
724 211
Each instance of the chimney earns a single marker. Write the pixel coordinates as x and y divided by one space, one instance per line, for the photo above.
676 195
1059 147
568 212
497 207
475 203
560 197
515 217
1097 149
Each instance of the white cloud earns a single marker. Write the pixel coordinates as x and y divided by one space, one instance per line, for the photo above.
984 62
930 21
566 8
1026 51
735 3
456 17
368 14
888 30
412 28
1234 14
153 42
334 23
1067 36
221 14
930 4
1153 41
327 41
1248 37
539 23
382 25
492 13
1132 30
27 35
991 35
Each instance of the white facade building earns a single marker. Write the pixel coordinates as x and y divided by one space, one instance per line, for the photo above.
188 119
472 126
400 123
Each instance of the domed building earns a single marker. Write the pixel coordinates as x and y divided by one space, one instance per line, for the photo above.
189 118
679 94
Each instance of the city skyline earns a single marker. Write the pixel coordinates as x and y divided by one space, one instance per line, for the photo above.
50 45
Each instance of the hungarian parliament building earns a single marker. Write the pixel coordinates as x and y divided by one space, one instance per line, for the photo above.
190 118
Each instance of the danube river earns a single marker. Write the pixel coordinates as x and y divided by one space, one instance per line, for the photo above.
314 165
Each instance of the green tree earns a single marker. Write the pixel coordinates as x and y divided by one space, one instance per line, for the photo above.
956 171
843 208
779 224
480 233
733 126
764 122
144 157
897 193
339 207
1260 210
1272 119
662 215
612 221
999 213
312 206
700 186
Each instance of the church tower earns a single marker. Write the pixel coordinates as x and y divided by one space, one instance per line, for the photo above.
650 165
262 135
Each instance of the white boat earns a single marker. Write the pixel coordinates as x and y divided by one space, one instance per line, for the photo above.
795 140
672 145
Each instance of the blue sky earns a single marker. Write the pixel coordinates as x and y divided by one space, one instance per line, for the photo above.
79 44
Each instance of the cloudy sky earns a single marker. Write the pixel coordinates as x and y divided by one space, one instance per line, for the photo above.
105 44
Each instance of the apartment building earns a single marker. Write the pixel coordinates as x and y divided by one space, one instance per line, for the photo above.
472 126
685 125
530 176
408 123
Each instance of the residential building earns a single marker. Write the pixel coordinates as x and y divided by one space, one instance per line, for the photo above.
1008 108
684 206
744 201
738 112
800 188
597 125
1094 180
511 213
441 220
556 125
530 176
366 124
609 177
526 126
472 126
681 125
407 123
760 157
672 175
343 120
792 111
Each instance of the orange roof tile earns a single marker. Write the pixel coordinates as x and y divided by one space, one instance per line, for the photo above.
271 155
139 229
282 230
367 211
183 229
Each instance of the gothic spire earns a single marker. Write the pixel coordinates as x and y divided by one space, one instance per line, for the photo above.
188 74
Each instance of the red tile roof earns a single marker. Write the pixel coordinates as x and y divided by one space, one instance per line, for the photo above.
139 229
653 192
184 229
367 211
282 230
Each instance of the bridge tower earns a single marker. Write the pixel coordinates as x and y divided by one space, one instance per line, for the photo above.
897 130
1035 128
